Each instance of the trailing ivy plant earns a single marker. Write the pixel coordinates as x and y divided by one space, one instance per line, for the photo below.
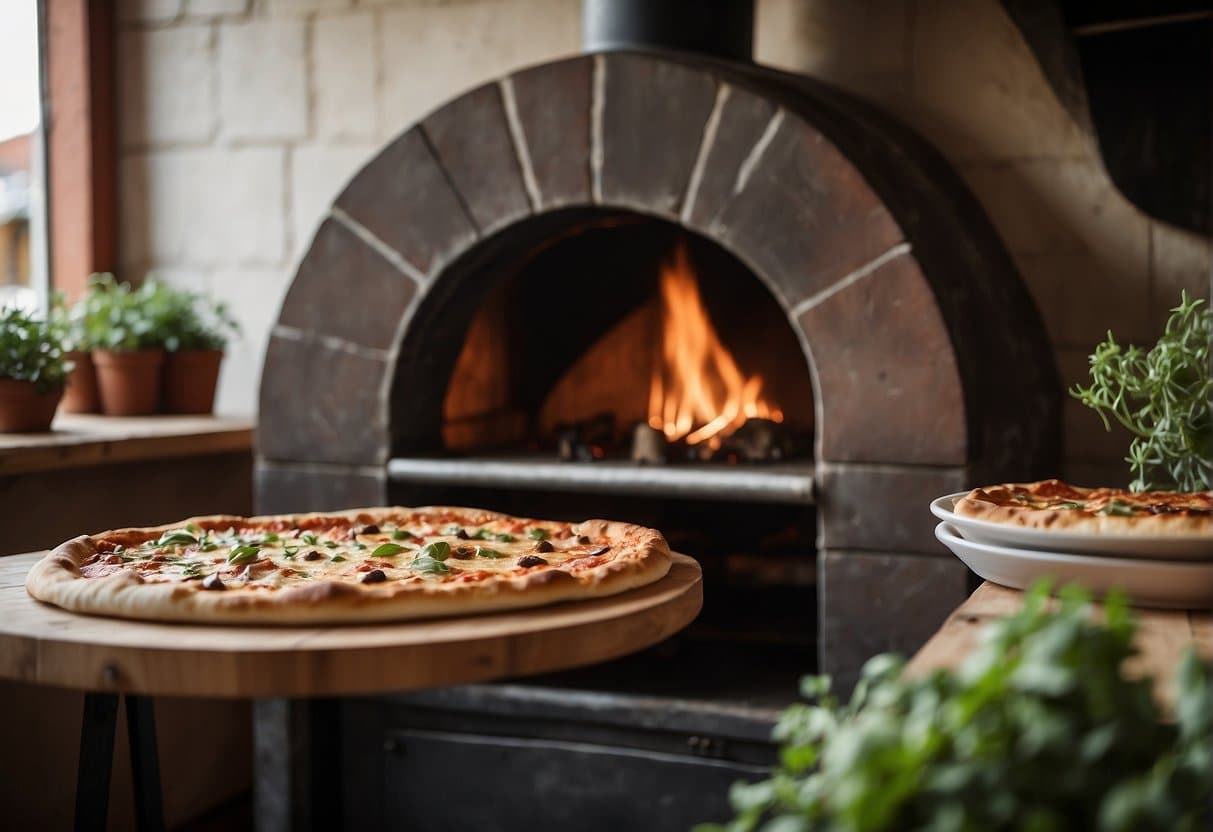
1039 729
1163 398
31 349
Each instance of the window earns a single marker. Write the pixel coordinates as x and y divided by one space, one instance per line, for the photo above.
22 216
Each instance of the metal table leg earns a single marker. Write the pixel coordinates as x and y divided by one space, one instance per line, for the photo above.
97 758
145 763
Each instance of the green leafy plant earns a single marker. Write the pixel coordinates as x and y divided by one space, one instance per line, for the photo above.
116 316
1039 729
1162 397
31 349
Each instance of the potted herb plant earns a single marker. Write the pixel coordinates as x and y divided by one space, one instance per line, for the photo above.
32 372
80 394
197 330
1161 396
125 328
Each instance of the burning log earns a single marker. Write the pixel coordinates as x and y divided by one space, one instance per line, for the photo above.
587 440
648 444
757 440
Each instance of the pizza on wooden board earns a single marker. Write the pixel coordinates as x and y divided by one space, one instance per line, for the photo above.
380 564
1055 505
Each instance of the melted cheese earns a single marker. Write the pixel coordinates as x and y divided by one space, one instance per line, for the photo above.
281 559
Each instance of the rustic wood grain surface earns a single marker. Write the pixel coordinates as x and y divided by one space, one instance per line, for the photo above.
1162 637
78 440
45 645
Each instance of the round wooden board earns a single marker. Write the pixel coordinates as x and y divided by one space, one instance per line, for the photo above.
45 645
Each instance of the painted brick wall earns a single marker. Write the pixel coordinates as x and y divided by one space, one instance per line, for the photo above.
241 119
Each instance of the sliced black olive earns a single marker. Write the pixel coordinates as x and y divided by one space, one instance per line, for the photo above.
371 529
544 546
213 582
463 552
601 550
583 540
313 555
532 560
375 576
462 534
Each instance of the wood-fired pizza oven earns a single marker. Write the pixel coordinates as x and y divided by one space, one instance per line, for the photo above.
485 279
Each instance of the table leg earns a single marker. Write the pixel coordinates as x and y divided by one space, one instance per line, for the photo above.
297 771
96 760
145 763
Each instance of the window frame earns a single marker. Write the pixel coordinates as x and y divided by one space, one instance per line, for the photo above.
79 129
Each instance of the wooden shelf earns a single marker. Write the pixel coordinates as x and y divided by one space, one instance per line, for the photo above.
80 440
768 483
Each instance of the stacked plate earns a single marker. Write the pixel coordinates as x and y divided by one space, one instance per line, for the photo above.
1153 571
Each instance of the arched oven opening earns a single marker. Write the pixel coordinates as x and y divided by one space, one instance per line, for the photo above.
624 367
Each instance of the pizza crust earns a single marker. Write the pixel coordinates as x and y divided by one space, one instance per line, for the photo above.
997 504
640 556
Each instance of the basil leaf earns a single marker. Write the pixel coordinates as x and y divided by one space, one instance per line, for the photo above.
438 550
385 550
486 552
538 534
309 539
243 554
177 537
337 558
429 565
505 538
401 534
1117 509
481 534
209 547
191 527
332 544
1072 505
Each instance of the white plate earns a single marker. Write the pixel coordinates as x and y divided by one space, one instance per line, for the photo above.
1149 583
1131 546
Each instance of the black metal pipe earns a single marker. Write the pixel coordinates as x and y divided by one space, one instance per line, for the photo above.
721 28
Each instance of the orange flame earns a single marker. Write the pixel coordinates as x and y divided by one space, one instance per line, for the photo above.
697 392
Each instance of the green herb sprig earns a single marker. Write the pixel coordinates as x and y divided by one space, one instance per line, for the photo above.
1039 729
1162 397
32 350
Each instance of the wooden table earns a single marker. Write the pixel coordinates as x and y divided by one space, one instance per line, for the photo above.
44 645
1162 636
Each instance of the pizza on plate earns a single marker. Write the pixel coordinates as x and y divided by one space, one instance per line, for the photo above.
1052 504
380 564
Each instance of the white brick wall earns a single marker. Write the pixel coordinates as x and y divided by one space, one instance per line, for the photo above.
215 8
343 76
263 80
241 119
168 85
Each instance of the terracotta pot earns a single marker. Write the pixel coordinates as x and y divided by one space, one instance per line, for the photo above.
81 393
23 409
128 381
189 379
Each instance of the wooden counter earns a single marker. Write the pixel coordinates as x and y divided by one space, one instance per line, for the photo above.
78 440
1162 636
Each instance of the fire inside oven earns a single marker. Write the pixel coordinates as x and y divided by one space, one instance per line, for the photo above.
625 368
